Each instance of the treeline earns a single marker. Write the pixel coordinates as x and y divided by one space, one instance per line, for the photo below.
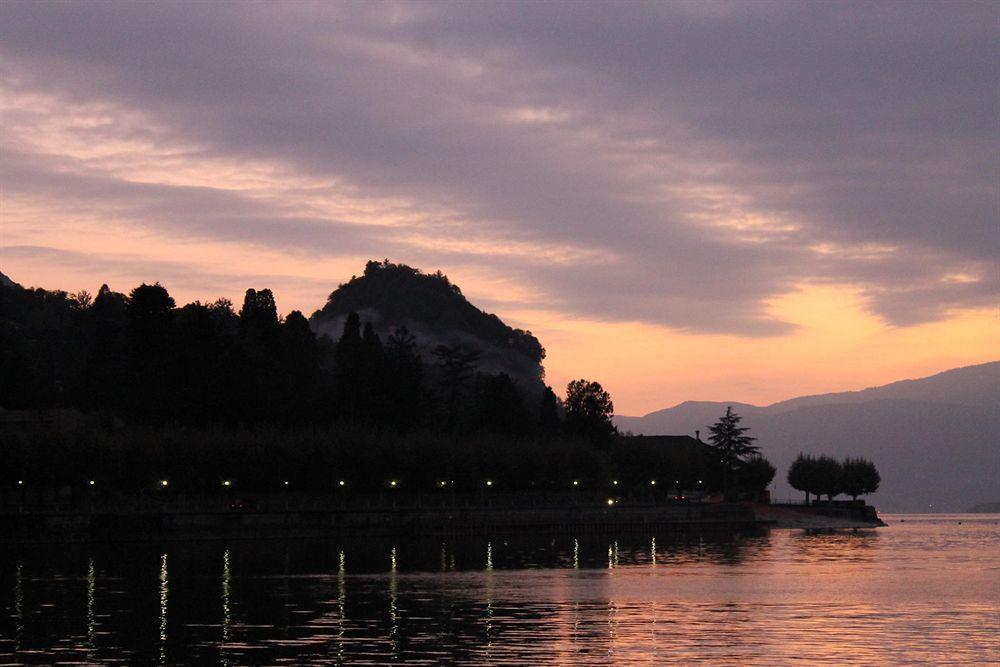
826 476
203 393
141 359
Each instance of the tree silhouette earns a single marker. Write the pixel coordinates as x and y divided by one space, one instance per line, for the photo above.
457 365
104 333
405 390
829 477
802 474
298 353
348 368
731 443
499 407
756 473
589 410
859 477
371 377
548 412
150 377
259 317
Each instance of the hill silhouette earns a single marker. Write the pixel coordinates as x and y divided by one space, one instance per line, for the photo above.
934 439
434 310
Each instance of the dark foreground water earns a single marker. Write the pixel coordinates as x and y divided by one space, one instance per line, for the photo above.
924 590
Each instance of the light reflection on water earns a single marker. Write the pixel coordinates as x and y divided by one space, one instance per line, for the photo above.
920 591
164 590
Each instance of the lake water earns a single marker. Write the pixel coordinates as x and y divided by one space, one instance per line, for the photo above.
925 590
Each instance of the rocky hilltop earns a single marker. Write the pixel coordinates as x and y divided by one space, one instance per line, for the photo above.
434 310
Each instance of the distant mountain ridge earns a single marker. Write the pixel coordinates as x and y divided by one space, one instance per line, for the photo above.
434 310
936 440
970 385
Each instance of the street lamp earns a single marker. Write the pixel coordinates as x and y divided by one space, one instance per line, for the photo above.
489 482
392 483
226 482
164 482
652 482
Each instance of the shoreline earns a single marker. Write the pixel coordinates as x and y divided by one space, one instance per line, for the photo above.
96 526
786 518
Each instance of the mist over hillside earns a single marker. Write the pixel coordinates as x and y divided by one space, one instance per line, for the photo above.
434 310
936 440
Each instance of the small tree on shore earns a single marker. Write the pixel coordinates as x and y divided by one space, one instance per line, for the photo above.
802 474
829 475
756 473
732 443
859 477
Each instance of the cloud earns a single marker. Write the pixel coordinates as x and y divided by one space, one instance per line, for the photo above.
675 164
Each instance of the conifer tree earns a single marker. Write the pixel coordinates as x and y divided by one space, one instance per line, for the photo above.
347 367
731 442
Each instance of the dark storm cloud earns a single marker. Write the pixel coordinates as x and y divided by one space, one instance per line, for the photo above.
639 131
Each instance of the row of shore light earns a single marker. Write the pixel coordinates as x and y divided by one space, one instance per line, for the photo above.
392 483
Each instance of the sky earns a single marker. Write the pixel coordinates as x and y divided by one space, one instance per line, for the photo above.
709 201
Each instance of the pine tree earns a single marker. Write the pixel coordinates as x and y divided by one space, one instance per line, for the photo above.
731 443
457 366
405 391
347 358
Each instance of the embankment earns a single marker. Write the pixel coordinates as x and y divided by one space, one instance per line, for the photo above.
470 520
40 525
